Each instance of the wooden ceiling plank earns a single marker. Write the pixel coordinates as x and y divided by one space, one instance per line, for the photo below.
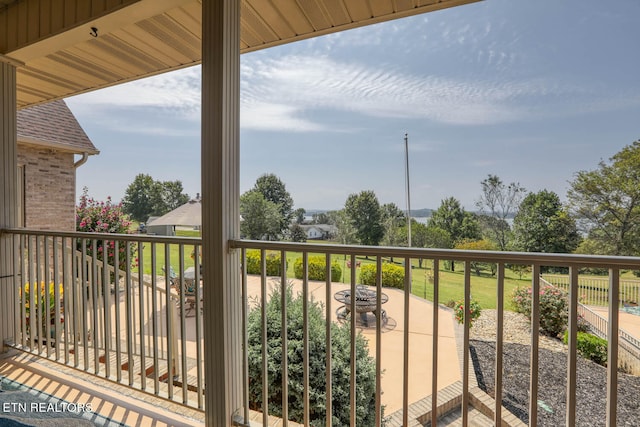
78 66
270 14
337 12
294 16
248 37
156 47
190 17
44 23
358 10
33 19
314 14
261 29
381 7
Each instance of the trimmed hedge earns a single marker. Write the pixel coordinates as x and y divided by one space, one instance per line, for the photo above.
273 262
317 269
591 347
392 275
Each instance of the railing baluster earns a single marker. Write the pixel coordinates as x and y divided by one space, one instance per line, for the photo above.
129 298
572 360
200 356
284 335
37 331
169 321
95 288
535 326
56 298
352 344
434 342
305 337
263 320
106 295
183 325
141 314
405 340
328 344
245 337
465 346
378 341
154 318
612 350
116 304
497 419
46 308
32 280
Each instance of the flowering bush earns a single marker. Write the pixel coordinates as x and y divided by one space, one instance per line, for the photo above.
474 311
103 217
554 307
41 297
44 299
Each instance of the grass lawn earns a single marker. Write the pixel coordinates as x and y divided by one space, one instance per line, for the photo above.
174 254
483 288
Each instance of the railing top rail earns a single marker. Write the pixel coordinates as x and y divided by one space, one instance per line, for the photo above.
105 236
425 253
526 258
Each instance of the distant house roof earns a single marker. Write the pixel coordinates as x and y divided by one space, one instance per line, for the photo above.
53 125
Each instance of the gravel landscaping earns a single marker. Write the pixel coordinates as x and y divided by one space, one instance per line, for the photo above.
591 379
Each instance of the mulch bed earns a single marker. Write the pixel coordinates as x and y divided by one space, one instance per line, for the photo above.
591 386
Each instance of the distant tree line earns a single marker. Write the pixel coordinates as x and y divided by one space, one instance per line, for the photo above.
602 215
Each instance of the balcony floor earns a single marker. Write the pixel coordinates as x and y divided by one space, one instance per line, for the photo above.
118 403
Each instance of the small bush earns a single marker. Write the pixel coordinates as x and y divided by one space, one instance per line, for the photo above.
554 305
341 342
317 269
273 262
591 347
392 275
474 311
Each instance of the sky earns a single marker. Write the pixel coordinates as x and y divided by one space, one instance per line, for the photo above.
530 91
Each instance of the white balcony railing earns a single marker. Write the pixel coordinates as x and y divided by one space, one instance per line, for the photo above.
126 324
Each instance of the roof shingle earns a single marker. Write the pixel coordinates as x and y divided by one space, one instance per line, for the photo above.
53 124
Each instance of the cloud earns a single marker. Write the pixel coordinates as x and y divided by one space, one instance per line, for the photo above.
290 92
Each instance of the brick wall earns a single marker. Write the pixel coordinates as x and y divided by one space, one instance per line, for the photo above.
50 188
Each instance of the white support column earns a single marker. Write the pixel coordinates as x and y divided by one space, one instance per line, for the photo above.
8 195
220 209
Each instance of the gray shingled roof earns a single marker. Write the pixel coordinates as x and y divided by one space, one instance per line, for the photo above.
53 125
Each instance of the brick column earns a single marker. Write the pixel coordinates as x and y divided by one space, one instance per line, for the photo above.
8 196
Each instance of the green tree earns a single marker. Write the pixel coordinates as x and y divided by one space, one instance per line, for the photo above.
544 225
457 222
499 202
138 200
606 202
274 190
366 217
393 221
299 215
340 351
297 234
346 233
261 219
173 195
479 245
147 197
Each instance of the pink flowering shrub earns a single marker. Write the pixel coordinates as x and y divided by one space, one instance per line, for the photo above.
554 307
93 216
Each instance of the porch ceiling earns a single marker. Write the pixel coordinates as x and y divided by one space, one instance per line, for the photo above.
136 39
